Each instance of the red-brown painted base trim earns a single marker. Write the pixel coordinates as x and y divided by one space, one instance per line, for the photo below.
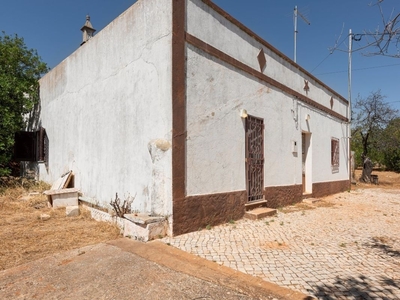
322 189
195 212
279 196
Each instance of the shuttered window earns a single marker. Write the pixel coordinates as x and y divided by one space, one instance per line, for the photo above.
31 146
335 153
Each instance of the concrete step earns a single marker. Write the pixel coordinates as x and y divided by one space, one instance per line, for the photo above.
259 213
255 204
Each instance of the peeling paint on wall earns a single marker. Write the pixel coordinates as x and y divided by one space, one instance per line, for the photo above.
158 190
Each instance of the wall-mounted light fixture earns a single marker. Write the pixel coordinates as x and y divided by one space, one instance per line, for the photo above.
308 117
294 146
243 113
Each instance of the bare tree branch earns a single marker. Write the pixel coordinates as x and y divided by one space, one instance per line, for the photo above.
337 44
385 42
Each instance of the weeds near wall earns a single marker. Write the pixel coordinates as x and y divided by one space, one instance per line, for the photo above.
119 209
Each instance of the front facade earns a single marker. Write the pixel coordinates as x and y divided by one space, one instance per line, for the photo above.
193 121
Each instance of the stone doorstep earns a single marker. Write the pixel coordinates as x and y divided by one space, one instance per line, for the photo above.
143 219
259 213
311 200
255 204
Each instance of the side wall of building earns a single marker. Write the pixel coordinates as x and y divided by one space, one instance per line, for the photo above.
224 77
107 110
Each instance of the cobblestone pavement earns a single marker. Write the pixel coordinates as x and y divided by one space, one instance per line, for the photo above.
348 247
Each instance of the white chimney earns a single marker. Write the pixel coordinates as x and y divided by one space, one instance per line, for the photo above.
87 30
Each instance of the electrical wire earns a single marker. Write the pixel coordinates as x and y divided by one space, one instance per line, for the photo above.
331 52
321 62
360 69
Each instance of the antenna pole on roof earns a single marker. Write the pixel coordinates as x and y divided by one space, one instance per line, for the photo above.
295 32
296 13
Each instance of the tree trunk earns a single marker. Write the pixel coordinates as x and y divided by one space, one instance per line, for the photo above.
367 170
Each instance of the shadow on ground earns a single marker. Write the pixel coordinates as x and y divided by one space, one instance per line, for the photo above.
359 287
382 244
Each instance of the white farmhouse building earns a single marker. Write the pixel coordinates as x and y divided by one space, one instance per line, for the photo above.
180 105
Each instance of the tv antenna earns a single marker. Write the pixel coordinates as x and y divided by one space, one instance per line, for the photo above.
296 13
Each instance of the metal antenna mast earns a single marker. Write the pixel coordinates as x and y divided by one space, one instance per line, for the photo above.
296 12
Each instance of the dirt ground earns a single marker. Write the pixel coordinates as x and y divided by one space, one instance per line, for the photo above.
25 236
386 180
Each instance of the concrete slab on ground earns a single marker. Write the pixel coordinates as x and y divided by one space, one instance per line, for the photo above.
127 269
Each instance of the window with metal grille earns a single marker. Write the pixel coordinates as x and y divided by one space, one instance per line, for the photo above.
32 146
335 153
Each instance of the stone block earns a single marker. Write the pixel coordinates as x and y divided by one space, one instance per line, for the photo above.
72 211
146 232
143 219
62 198
44 217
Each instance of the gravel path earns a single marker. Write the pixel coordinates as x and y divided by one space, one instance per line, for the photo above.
348 247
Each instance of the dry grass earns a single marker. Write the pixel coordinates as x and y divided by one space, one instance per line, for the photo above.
24 236
387 180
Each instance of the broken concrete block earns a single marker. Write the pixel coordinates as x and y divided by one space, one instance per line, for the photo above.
25 198
29 196
44 217
72 211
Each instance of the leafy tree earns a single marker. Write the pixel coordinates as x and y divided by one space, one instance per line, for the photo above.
374 147
20 70
372 115
390 145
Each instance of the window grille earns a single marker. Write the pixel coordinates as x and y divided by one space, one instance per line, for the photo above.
335 153
255 158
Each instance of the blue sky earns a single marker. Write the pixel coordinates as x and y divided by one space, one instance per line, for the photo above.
53 28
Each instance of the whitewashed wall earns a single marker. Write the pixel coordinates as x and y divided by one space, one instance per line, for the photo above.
220 33
215 94
107 111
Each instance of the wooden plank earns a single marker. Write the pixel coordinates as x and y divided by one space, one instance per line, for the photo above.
60 191
62 182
